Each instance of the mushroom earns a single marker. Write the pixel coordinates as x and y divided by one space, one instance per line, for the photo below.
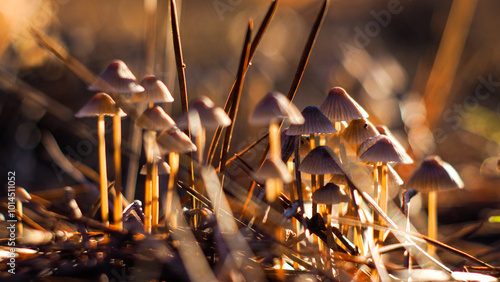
210 116
379 151
117 79
152 119
320 161
434 175
338 106
315 123
102 105
155 91
270 111
329 195
358 131
173 142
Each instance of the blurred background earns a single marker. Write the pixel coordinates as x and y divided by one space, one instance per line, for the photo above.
433 84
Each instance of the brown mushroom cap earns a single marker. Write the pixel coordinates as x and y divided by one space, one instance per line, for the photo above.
174 140
100 104
116 78
155 91
273 168
275 106
381 149
211 116
22 195
320 161
163 168
339 106
435 174
315 123
155 119
358 131
329 194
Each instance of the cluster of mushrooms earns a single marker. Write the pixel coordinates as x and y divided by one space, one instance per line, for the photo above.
335 133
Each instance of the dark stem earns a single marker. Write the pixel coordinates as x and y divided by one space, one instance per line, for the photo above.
255 43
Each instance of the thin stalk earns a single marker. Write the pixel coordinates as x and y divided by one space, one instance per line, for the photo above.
103 180
181 66
298 179
155 195
236 103
148 198
253 48
173 159
20 227
432 228
384 194
117 141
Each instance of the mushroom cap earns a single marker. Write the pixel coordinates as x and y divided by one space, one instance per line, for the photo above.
100 104
435 174
116 78
315 123
155 119
358 131
163 168
155 91
339 106
320 161
275 106
329 194
273 168
211 116
394 178
381 149
22 195
174 140
339 179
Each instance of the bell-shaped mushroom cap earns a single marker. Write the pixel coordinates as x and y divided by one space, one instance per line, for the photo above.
329 194
273 168
211 116
174 140
381 149
394 178
100 104
155 91
275 106
339 179
435 174
155 119
320 161
315 123
339 106
358 131
116 78
163 168
22 195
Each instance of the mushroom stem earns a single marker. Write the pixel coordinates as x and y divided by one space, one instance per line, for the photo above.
155 195
20 227
432 228
148 187
274 186
312 142
103 179
384 183
376 196
117 140
173 159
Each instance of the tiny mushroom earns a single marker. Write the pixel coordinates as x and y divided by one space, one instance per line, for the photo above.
173 142
117 79
101 105
273 108
434 175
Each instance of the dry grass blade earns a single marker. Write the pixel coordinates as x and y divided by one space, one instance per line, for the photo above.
306 53
253 48
448 57
240 77
181 66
